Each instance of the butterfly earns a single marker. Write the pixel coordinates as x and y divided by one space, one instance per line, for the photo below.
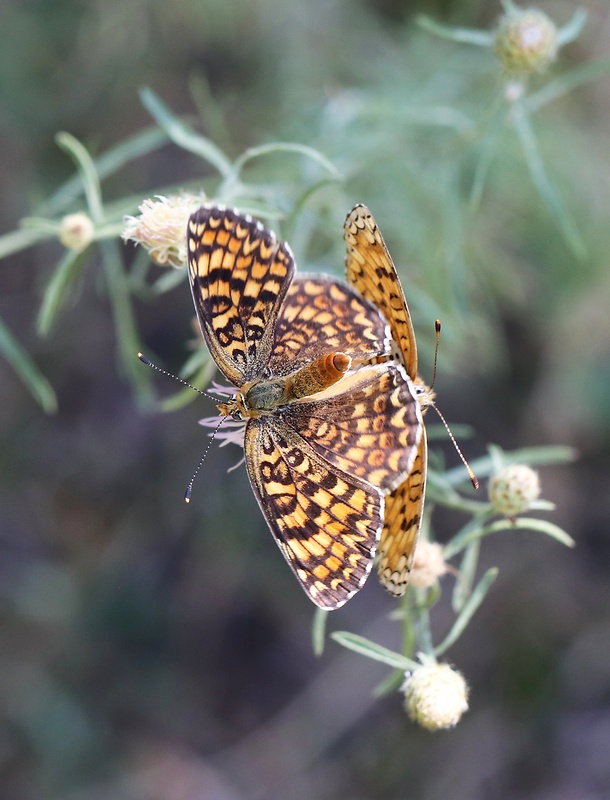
328 433
371 271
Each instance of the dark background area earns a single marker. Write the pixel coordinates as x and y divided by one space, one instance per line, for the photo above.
150 650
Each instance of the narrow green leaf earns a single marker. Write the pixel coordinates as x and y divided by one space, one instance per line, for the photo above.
15 241
62 279
183 135
465 577
374 651
141 144
285 147
128 340
91 182
474 601
318 630
572 29
464 35
38 386
519 523
542 183
566 83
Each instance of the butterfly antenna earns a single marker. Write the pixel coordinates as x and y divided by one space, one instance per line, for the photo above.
473 478
148 363
189 488
437 328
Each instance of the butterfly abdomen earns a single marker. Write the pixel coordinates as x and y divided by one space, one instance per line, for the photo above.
317 375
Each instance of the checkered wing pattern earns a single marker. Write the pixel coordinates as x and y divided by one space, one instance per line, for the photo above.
371 271
239 276
322 314
328 434
326 522
367 425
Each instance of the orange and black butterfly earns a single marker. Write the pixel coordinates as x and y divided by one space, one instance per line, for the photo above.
371 271
328 433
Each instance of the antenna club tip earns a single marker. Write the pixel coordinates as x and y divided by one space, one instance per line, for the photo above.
187 500
144 359
437 325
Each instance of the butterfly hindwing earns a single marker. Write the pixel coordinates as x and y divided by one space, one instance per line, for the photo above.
325 522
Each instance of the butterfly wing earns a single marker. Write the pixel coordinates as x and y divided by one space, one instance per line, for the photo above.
326 523
371 271
239 275
368 424
402 523
321 315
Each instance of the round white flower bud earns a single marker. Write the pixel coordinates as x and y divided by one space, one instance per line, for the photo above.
76 231
513 489
436 696
525 41
428 565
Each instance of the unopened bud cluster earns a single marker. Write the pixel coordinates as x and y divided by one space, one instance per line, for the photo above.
76 231
428 565
436 696
513 489
525 42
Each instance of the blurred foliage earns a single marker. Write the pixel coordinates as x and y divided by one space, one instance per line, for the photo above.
142 647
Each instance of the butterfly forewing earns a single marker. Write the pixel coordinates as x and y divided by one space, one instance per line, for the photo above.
239 276
371 271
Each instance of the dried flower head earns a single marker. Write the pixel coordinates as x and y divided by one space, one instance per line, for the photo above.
436 696
513 489
161 227
428 565
525 41
76 231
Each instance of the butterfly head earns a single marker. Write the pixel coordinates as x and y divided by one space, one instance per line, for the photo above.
235 408
425 394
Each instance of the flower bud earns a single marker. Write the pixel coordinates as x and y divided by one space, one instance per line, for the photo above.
525 41
161 227
428 565
436 696
76 231
513 489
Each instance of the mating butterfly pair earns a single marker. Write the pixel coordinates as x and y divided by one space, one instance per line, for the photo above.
326 377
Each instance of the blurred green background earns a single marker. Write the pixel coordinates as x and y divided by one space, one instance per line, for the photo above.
154 651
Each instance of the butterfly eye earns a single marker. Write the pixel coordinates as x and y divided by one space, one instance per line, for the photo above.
237 415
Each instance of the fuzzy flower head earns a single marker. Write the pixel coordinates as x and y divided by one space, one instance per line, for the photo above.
428 565
76 231
513 489
525 41
436 696
161 227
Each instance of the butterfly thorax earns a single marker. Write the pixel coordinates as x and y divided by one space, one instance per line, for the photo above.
263 396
